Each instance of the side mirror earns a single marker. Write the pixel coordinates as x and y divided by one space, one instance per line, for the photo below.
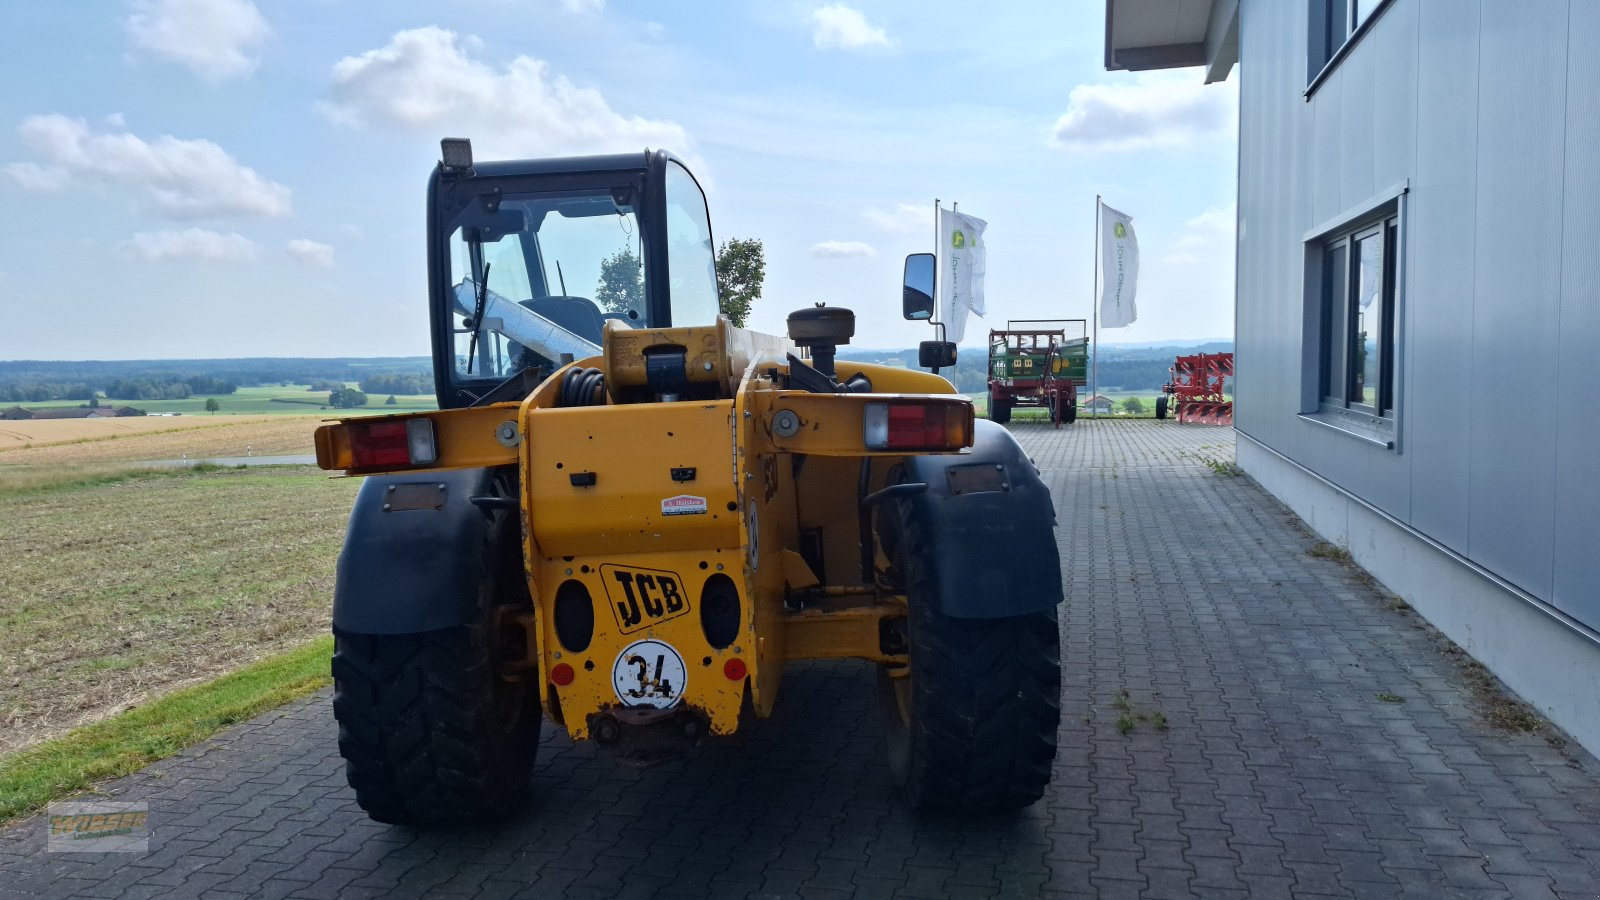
936 355
916 298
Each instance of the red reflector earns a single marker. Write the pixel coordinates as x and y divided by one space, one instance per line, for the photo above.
379 445
561 674
915 425
734 669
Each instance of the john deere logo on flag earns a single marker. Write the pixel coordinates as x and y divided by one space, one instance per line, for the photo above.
1119 230
958 240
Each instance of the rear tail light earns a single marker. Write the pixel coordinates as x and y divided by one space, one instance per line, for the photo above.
392 444
917 425
734 669
562 675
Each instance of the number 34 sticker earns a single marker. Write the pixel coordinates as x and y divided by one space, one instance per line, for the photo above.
649 673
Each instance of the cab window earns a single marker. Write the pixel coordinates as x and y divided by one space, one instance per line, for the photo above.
691 258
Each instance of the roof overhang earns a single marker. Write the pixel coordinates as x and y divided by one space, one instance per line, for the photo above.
1173 34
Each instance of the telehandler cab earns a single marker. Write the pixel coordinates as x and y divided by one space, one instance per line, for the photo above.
630 515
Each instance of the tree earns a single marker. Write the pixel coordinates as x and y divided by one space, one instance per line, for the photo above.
621 287
212 405
346 398
1133 406
741 268
391 401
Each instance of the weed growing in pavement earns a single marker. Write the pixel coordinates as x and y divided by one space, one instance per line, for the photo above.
1130 717
1218 466
1325 550
1391 698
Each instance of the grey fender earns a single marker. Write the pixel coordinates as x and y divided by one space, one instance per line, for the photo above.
987 525
415 554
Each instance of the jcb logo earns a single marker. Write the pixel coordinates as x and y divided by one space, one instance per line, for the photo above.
643 597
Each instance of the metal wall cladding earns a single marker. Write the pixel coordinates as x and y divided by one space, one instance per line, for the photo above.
1486 109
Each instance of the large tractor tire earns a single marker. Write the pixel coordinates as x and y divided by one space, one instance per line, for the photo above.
1161 406
972 722
999 409
442 726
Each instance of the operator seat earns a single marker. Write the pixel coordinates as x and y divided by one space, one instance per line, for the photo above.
578 315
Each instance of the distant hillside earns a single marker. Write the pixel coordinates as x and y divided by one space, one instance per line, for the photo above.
24 381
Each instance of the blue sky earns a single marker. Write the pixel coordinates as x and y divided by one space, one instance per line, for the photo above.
220 178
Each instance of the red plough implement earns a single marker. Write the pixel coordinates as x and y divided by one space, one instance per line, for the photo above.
1197 389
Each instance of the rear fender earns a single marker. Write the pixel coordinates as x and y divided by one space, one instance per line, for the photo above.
988 526
414 554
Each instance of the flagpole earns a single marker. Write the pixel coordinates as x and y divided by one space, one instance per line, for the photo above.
1094 384
936 318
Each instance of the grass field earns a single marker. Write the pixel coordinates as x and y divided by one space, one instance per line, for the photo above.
56 442
120 586
128 742
263 400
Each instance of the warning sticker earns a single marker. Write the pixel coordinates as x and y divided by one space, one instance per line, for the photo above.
649 673
683 505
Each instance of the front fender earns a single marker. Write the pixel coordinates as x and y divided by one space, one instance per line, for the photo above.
988 526
415 553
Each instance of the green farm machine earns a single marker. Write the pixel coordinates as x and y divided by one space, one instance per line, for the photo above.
1033 363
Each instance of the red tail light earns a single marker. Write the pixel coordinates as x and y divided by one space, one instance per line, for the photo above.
392 444
916 425
734 669
562 674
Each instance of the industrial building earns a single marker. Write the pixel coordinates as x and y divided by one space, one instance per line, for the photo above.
1418 300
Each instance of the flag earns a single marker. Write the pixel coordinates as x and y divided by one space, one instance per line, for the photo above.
1119 255
961 267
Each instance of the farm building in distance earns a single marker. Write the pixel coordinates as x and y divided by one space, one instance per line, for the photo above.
1417 214
18 413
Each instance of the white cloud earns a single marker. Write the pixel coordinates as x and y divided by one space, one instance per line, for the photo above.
115 120
193 179
904 218
425 80
842 249
311 253
212 38
584 7
839 26
1153 109
1208 234
191 243
35 177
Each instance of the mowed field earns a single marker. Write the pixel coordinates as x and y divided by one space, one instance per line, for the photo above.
74 441
118 586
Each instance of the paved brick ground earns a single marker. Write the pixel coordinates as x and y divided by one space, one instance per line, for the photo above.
1193 598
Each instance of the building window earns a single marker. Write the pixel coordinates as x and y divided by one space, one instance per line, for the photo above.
1357 338
1332 24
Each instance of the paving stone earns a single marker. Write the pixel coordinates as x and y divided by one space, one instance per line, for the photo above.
1278 775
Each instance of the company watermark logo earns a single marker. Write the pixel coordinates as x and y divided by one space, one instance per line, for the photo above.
98 827
958 239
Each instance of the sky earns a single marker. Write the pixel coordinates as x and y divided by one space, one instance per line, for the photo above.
229 178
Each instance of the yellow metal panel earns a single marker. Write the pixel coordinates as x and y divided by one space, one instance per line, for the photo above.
596 668
633 504
832 424
840 634
466 438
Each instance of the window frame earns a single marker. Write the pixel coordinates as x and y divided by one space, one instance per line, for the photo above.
1329 324
1321 56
